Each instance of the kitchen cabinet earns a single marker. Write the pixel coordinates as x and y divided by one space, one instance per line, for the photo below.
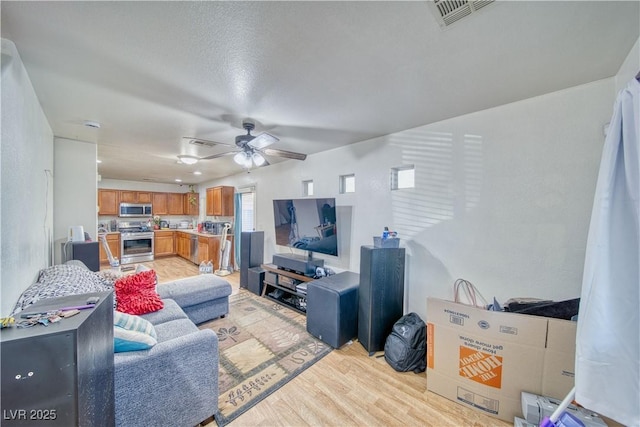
144 197
204 246
183 244
135 196
107 202
113 241
160 205
164 243
175 204
191 204
209 250
220 201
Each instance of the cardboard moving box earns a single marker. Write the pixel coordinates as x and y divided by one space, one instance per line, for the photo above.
485 359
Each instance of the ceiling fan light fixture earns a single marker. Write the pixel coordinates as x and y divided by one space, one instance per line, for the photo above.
243 159
258 159
188 160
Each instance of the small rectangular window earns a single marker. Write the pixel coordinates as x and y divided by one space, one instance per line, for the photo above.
307 188
347 183
403 177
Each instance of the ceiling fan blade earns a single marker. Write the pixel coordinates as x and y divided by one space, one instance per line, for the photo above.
263 140
283 153
215 156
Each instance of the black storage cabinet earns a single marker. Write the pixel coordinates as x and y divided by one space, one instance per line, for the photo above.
60 374
381 294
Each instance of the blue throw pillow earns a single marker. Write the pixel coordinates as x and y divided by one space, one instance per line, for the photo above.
132 333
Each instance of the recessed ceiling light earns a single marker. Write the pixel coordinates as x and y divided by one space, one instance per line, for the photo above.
178 180
188 160
197 173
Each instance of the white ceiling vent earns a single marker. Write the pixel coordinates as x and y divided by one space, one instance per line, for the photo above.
203 142
449 11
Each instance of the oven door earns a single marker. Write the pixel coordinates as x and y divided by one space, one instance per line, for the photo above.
136 247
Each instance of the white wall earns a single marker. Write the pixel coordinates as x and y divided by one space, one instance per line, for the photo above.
26 152
75 175
630 67
503 196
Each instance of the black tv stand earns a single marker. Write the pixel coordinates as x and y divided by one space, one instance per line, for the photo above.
299 264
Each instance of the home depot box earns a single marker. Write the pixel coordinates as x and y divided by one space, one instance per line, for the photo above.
559 358
484 359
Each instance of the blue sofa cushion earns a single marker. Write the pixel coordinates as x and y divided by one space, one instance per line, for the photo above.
132 333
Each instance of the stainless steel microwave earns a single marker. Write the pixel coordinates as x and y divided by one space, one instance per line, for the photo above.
135 210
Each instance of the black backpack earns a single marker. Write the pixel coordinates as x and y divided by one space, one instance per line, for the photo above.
406 347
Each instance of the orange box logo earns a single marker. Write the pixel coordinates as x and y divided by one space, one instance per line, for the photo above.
430 349
481 367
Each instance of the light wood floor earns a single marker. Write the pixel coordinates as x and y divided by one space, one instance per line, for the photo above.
345 388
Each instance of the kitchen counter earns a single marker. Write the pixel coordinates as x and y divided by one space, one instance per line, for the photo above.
192 231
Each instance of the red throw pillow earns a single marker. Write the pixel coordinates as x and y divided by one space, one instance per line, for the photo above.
136 293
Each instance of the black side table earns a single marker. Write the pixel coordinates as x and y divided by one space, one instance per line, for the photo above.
60 374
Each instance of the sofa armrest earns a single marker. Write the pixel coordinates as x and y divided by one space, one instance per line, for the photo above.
175 380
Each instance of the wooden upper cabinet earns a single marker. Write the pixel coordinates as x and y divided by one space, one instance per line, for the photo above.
209 202
135 196
191 204
175 204
128 196
159 204
144 197
220 201
107 202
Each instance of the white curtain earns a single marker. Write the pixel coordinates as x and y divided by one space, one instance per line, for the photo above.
608 339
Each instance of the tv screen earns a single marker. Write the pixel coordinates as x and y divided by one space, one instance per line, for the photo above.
307 224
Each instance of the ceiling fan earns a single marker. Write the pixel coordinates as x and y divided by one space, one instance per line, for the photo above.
252 149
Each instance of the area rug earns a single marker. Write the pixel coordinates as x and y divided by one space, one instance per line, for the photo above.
263 345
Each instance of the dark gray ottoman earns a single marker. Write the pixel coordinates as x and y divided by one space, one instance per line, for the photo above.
332 308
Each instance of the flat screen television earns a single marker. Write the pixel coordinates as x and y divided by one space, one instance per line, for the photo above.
307 224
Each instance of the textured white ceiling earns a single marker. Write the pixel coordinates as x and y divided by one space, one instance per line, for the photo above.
318 75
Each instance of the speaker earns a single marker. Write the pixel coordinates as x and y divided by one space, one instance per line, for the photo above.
332 308
255 279
251 253
87 252
380 295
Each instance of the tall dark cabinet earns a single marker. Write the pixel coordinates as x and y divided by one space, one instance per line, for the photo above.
60 374
381 294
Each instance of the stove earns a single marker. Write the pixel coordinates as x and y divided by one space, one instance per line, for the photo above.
134 227
136 241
